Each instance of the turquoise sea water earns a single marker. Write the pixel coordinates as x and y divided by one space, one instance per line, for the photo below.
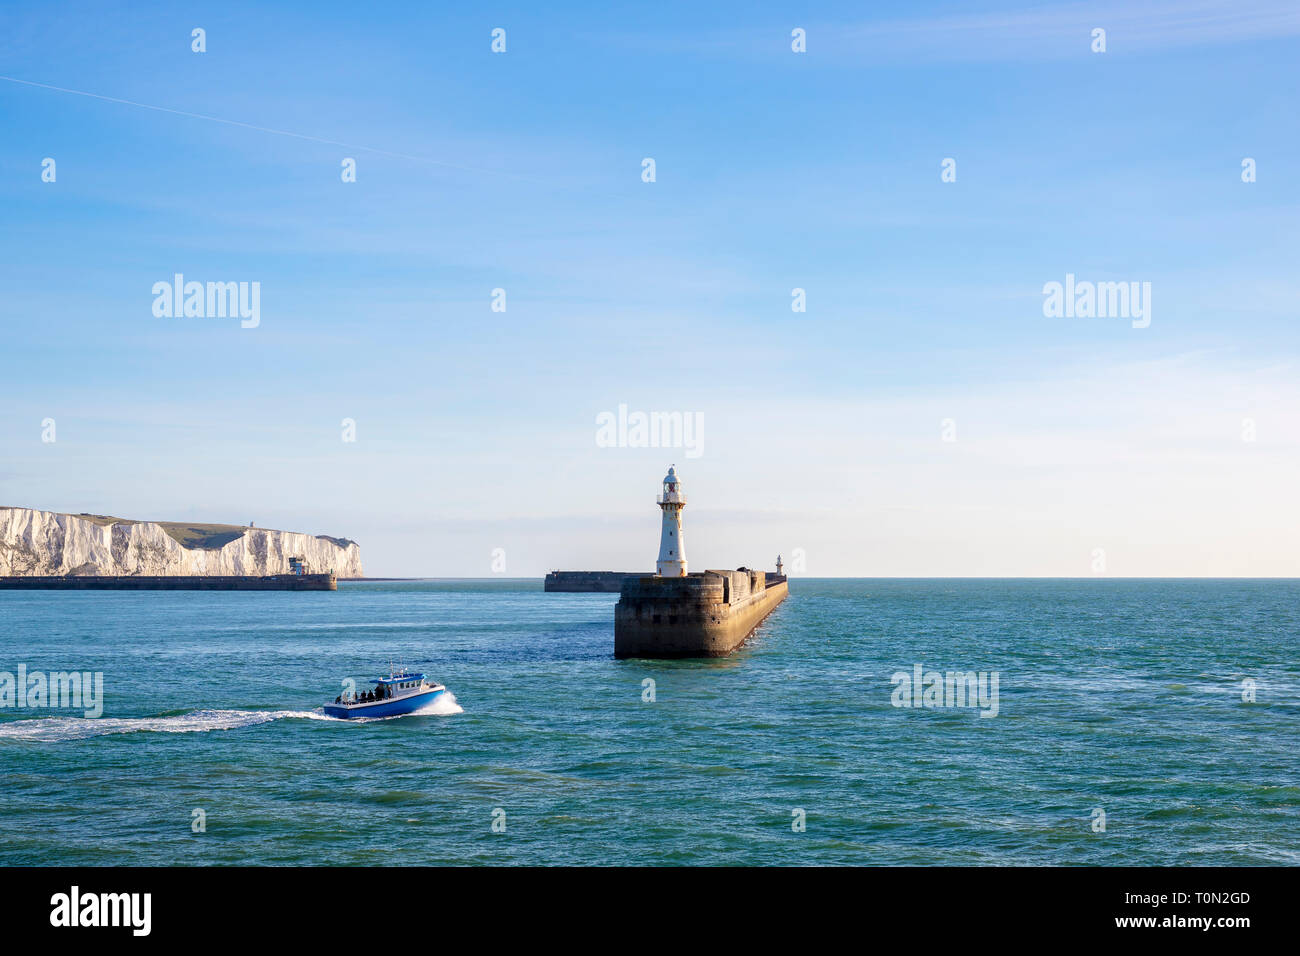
1120 695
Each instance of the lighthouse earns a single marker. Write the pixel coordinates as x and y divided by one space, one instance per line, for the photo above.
675 614
672 552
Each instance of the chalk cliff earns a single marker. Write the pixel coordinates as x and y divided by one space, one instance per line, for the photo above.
46 542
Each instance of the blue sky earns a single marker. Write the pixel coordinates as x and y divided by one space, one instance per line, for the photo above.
775 170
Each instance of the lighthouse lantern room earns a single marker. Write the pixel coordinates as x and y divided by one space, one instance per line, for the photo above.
672 550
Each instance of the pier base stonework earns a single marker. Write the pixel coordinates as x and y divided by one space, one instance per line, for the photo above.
699 615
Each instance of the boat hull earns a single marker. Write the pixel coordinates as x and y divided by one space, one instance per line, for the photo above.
394 707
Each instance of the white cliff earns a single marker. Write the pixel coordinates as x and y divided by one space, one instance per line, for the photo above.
46 542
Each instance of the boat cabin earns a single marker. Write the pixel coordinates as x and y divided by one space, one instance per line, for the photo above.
399 685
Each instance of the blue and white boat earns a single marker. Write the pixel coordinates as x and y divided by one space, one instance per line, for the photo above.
398 693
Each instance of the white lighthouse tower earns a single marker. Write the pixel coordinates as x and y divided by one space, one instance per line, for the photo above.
672 551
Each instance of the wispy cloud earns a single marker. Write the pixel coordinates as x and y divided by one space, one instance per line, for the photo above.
1038 32
1045 32
255 128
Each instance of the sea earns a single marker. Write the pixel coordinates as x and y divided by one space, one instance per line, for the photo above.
1132 722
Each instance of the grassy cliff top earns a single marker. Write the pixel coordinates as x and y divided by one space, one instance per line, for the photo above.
206 537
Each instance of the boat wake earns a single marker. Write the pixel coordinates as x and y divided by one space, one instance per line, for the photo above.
54 729
445 703
198 721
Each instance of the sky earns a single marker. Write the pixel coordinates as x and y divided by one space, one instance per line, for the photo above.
922 416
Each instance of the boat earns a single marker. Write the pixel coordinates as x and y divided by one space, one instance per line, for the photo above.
401 692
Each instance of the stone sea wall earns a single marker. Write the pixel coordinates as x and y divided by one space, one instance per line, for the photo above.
596 582
700 615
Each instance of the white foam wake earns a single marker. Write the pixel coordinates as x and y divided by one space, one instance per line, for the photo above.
77 728
444 703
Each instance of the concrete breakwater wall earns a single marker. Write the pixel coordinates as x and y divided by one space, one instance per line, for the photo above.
699 615
172 582
602 582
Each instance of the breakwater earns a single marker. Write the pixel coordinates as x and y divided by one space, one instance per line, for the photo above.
172 582
602 582
696 615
